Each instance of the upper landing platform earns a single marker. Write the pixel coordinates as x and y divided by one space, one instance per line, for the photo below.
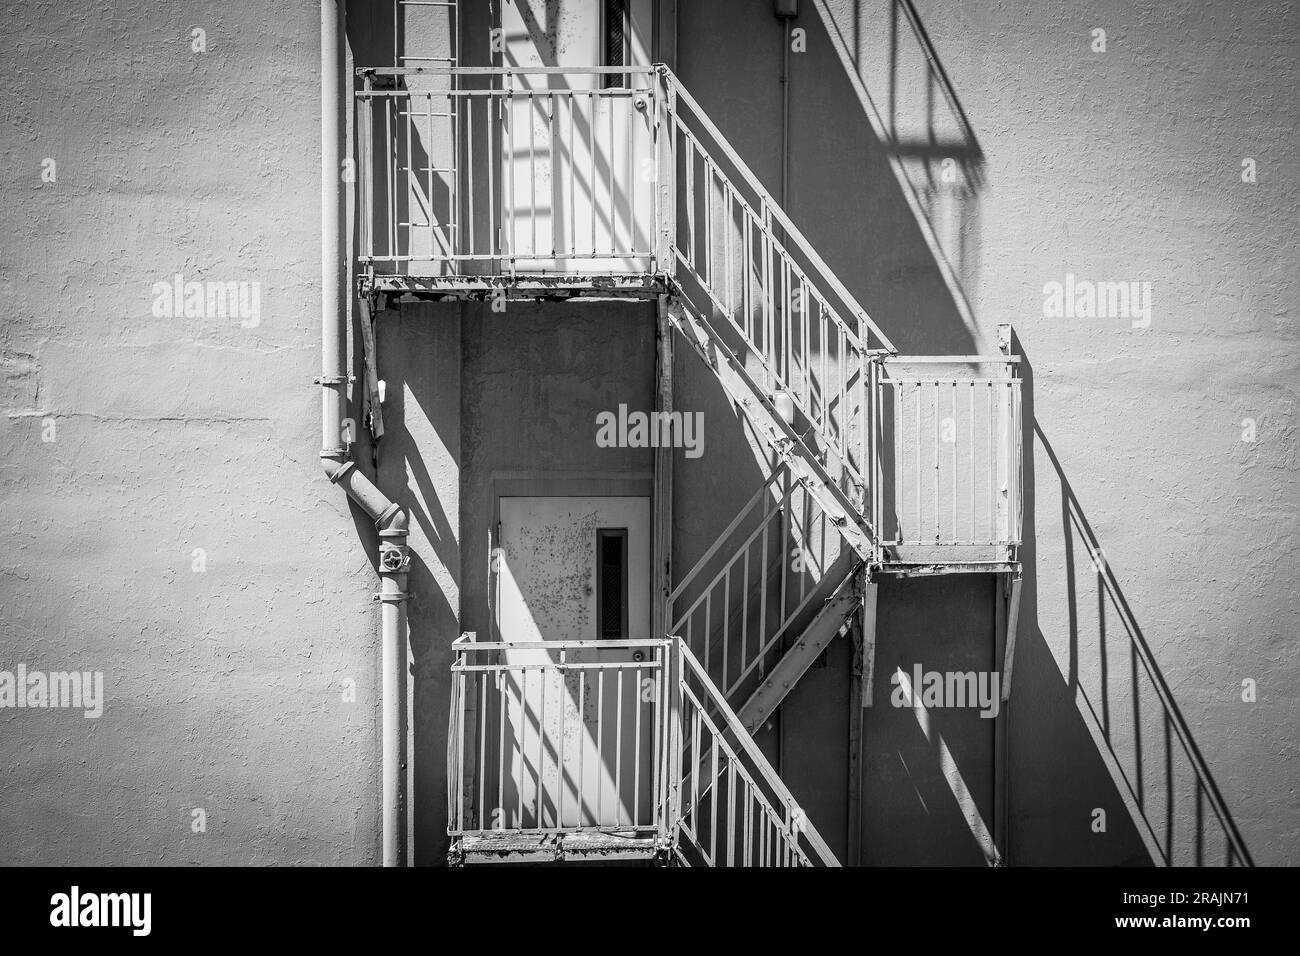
544 286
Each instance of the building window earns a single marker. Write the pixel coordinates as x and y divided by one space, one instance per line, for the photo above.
615 31
611 583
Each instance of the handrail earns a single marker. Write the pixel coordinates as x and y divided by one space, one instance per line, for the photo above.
504 70
773 208
750 749
738 633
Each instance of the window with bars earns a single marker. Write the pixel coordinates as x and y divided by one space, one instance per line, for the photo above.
614 30
611 583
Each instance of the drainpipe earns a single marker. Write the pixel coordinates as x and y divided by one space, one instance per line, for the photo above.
390 520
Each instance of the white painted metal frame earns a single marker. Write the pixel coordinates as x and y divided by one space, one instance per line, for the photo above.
734 812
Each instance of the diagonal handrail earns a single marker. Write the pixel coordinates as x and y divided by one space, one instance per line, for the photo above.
679 94
732 741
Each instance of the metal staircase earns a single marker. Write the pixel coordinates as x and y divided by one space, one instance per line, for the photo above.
873 463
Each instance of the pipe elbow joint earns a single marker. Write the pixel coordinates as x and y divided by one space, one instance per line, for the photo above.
387 515
335 463
394 520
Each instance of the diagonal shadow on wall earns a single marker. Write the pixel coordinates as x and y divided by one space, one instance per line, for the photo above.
1108 734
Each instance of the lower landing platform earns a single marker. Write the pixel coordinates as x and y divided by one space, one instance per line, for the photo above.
536 286
918 569
575 847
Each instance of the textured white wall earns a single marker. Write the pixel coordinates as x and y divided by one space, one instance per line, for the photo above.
224 688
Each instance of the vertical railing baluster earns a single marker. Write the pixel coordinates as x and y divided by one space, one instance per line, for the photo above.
955 534
555 150
390 158
746 293
729 235
618 743
600 746
495 154
592 203
934 412
990 463
970 413
572 208
726 621
530 99
538 822
467 103
481 767
511 239
744 611
609 166
636 747
502 695
920 457
731 808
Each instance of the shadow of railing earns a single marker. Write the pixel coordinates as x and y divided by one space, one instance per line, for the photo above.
916 114
1129 709
1136 727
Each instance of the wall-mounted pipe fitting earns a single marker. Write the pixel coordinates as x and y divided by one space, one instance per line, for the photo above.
389 518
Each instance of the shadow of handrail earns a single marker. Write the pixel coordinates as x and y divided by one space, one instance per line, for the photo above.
940 177
1172 718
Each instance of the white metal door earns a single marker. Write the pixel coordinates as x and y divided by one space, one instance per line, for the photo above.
587 725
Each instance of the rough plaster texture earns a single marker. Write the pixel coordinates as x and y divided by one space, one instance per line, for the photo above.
224 687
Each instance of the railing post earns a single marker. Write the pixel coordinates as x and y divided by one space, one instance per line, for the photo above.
673 762
365 130
1004 441
469 731
871 459
508 175
455 776
665 140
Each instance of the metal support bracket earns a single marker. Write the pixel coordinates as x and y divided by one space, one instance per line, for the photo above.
1013 621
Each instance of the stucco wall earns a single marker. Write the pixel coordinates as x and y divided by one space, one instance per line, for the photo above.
224 688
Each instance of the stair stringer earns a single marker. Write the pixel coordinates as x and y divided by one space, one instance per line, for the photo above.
794 663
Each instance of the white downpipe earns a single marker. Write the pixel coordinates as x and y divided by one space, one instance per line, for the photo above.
389 518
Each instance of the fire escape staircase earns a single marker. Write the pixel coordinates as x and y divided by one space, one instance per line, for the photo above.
845 432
